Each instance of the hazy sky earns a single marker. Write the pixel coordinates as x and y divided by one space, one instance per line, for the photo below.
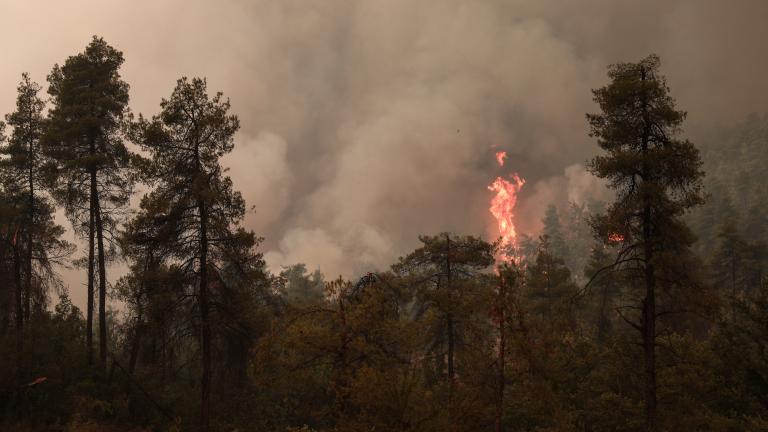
366 123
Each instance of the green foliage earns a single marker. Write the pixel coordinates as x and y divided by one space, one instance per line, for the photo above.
301 287
84 134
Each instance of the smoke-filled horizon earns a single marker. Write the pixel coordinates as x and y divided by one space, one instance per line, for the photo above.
367 123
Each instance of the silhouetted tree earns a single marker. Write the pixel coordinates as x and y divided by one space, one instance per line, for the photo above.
657 178
185 142
25 162
84 139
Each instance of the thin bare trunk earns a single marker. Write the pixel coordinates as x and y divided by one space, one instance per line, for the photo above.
649 335
19 328
102 288
30 228
139 327
27 287
205 324
733 284
135 347
449 318
19 313
91 246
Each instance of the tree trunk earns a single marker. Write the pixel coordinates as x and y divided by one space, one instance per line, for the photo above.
451 349
139 326
205 324
649 303
19 312
91 245
733 284
502 307
19 395
135 347
30 227
649 335
27 290
602 320
163 357
102 287
8 300
449 318
341 364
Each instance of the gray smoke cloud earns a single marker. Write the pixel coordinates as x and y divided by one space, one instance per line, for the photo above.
366 123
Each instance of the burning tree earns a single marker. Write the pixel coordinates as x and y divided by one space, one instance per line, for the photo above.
503 208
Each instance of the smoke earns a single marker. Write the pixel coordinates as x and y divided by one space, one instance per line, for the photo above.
391 130
261 171
367 123
358 249
575 185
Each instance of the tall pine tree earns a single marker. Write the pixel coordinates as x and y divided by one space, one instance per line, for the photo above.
657 177
84 138
25 171
186 142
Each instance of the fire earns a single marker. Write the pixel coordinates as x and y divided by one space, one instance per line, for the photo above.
615 238
503 205
500 156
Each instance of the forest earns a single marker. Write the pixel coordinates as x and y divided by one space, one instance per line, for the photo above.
647 312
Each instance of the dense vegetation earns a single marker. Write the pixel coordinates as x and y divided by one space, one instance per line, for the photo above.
615 319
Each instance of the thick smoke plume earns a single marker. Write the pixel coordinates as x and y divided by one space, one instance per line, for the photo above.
366 123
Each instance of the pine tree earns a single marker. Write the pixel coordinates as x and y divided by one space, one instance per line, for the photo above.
756 268
553 230
510 280
444 266
578 237
727 263
657 177
549 289
301 287
25 171
25 162
84 140
146 243
186 142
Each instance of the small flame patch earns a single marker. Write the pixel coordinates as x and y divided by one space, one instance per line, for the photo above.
615 238
500 156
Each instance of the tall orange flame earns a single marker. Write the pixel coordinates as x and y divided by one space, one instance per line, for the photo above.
503 207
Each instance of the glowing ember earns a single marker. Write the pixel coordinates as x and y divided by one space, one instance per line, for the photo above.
503 207
500 156
615 238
